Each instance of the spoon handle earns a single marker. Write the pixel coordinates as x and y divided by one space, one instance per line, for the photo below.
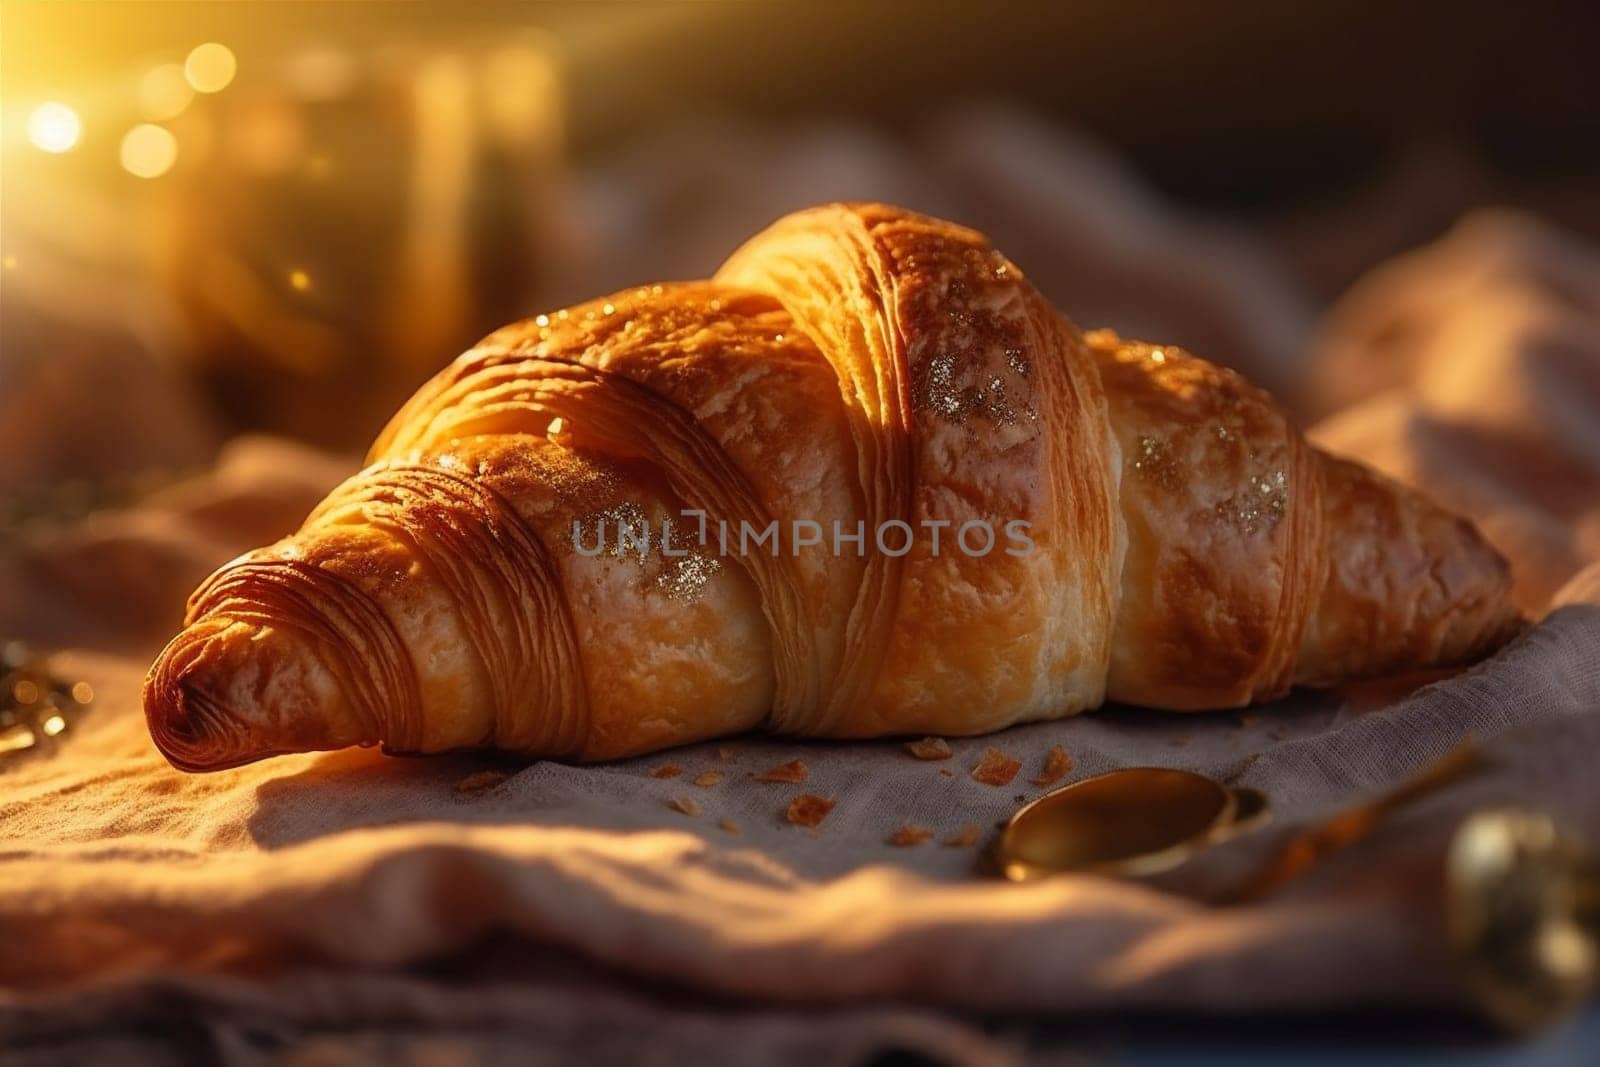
1305 849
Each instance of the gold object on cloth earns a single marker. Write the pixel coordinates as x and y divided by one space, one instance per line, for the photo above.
1136 821
1523 901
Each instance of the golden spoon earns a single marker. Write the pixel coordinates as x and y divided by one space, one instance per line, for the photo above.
1136 821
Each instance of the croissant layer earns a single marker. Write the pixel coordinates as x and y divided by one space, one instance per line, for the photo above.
863 482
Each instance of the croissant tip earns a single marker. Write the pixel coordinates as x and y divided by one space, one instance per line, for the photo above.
175 714
190 728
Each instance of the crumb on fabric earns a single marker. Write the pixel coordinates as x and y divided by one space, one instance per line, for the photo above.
726 753
996 768
910 834
708 778
685 805
480 780
792 773
929 748
667 770
729 826
808 809
965 837
947 772
1057 765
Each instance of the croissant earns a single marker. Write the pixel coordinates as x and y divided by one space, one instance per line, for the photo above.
865 481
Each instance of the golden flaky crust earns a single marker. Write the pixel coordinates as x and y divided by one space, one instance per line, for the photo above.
853 368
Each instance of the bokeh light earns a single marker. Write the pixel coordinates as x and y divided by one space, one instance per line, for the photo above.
299 280
54 127
321 73
267 134
164 92
210 67
148 151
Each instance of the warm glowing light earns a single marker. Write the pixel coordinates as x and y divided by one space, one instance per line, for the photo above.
321 73
210 67
16 738
11 263
54 127
25 692
300 280
82 692
148 151
267 135
522 93
53 725
164 92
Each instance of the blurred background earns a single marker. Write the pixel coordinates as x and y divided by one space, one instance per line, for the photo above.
280 217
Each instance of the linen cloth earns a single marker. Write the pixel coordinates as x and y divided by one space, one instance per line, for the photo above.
360 907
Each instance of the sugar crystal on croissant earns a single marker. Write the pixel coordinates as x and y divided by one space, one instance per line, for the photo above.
853 368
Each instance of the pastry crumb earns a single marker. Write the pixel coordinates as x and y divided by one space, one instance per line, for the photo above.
808 809
965 837
481 780
929 748
947 772
996 768
726 753
792 773
910 834
684 804
666 770
729 826
708 778
1057 765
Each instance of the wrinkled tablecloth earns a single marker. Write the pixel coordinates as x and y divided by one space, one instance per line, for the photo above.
359 907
